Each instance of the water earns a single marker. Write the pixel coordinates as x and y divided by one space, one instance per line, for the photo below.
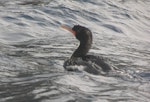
33 49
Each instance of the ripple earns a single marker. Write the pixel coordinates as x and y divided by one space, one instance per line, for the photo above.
112 27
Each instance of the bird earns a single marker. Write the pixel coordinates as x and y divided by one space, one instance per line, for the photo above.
90 63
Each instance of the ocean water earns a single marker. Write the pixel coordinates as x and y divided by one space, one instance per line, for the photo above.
33 49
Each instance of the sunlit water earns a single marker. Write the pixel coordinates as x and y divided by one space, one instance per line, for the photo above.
33 49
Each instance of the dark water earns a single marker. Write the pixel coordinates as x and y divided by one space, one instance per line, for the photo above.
33 49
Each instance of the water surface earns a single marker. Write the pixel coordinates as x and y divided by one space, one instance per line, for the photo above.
33 49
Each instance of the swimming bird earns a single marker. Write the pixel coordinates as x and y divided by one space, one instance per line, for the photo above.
90 63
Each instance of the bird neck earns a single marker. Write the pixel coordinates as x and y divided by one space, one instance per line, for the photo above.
82 50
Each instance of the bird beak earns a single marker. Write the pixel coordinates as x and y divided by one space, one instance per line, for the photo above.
69 29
